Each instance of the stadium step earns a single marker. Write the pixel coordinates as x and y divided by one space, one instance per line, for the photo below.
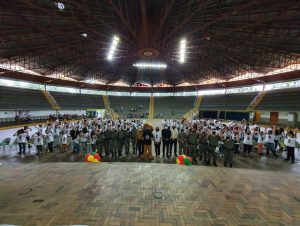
256 100
194 111
151 107
51 100
109 111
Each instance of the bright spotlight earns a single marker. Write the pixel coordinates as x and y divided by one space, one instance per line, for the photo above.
150 65
60 5
113 48
182 51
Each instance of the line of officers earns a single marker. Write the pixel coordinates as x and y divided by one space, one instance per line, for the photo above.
201 144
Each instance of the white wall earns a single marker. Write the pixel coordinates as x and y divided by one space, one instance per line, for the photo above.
7 114
36 113
71 112
282 116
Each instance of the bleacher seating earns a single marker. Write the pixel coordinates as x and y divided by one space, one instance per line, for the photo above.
74 101
238 101
22 99
173 107
116 102
281 100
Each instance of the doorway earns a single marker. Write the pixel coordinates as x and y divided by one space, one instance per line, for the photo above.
274 117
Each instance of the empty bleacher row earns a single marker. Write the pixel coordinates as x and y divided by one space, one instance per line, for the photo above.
22 99
74 101
281 100
238 101
124 105
173 107
169 107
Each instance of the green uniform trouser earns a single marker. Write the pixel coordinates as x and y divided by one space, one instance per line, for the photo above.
203 150
182 148
120 146
192 150
212 152
228 156
133 143
113 145
127 144
100 147
106 147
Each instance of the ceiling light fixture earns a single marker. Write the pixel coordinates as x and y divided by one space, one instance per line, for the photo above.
84 35
60 5
150 65
182 51
113 47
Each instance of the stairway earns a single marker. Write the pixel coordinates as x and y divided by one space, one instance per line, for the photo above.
54 105
111 112
151 107
256 100
194 111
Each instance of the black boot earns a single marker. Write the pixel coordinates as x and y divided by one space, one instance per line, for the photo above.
230 165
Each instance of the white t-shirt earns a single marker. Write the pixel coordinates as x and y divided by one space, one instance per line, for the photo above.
94 140
56 131
290 142
270 138
38 139
64 139
248 139
261 139
174 133
49 138
157 136
21 138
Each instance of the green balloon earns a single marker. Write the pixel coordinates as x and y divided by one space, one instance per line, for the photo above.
187 161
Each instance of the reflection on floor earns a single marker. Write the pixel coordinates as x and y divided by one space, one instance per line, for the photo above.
146 194
254 162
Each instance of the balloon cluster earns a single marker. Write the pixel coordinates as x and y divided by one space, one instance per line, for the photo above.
93 157
184 160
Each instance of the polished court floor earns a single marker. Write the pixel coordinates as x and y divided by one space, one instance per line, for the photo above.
146 194
60 189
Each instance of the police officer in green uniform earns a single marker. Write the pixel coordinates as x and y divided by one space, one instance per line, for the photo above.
121 137
100 142
192 140
228 150
182 138
114 142
106 143
213 140
203 146
133 139
127 135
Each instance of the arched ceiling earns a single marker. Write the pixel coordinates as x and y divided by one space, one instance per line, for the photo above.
224 38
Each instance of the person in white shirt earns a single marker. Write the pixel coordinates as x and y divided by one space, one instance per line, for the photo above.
261 142
83 141
174 135
269 144
248 142
21 139
64 142
38 142
290 143
157 141
49 139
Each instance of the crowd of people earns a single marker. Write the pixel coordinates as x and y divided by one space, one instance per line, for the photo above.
201 139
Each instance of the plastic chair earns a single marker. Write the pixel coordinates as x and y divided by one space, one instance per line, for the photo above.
4 143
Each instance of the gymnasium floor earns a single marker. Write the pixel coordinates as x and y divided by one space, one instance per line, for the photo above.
59 189
146 194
